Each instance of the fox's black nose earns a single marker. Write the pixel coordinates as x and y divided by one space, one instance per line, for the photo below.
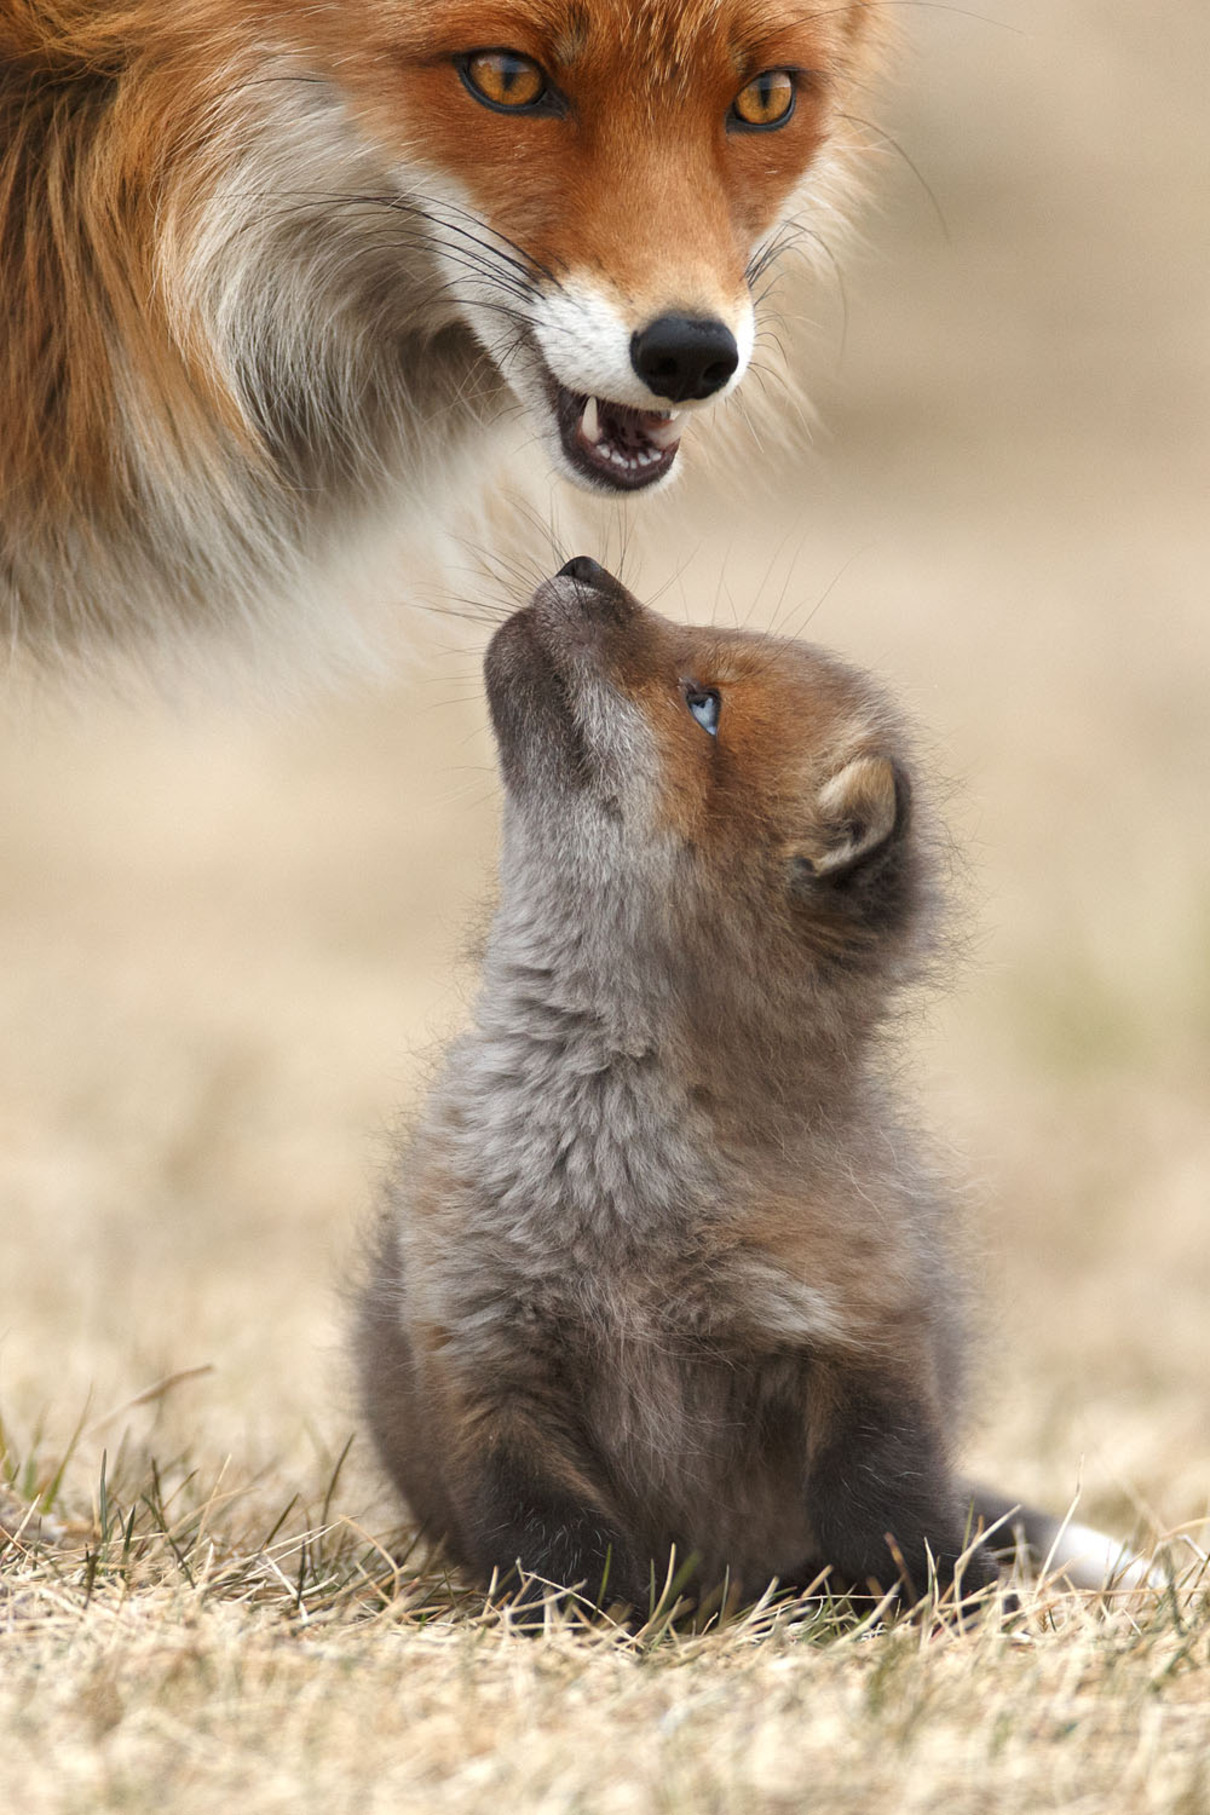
587 571
684 357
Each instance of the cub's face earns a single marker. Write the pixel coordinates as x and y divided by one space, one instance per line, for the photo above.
718 776
601 181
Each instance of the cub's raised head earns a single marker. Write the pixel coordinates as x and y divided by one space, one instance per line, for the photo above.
731 802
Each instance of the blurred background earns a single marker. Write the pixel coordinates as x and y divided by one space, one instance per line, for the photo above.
232 932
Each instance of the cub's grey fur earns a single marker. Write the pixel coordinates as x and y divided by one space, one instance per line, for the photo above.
661 1268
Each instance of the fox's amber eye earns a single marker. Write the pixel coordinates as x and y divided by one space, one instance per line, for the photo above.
768 100
504 79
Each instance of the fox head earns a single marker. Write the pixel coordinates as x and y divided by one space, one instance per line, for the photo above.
724 817
601 184
271 262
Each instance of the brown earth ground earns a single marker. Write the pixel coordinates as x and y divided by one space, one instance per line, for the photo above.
230 933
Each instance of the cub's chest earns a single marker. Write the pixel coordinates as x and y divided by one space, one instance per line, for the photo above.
704 1297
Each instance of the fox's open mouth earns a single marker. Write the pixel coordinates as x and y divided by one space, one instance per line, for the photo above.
612 444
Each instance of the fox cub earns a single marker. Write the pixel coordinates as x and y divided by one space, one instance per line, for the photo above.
659 1268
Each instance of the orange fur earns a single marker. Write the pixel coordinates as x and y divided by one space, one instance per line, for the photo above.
236 242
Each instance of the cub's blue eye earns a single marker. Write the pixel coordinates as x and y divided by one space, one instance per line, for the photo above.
705 705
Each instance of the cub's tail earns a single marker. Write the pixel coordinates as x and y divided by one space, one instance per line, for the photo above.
1059 1548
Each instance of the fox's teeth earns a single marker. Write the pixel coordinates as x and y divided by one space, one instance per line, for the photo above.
666 432
590 422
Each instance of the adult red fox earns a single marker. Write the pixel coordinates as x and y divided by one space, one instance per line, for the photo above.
266 266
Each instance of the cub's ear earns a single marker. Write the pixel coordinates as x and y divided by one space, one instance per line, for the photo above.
864 812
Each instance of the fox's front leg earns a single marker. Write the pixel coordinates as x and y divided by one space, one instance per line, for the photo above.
527 1501
881 1498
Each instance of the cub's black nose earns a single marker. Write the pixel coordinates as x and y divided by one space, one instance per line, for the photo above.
598 594
587 571
684 357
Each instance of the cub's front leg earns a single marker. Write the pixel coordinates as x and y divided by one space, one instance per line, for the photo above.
528 1498
881 1498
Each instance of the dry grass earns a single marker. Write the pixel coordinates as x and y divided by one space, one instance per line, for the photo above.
171 1653
227 936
